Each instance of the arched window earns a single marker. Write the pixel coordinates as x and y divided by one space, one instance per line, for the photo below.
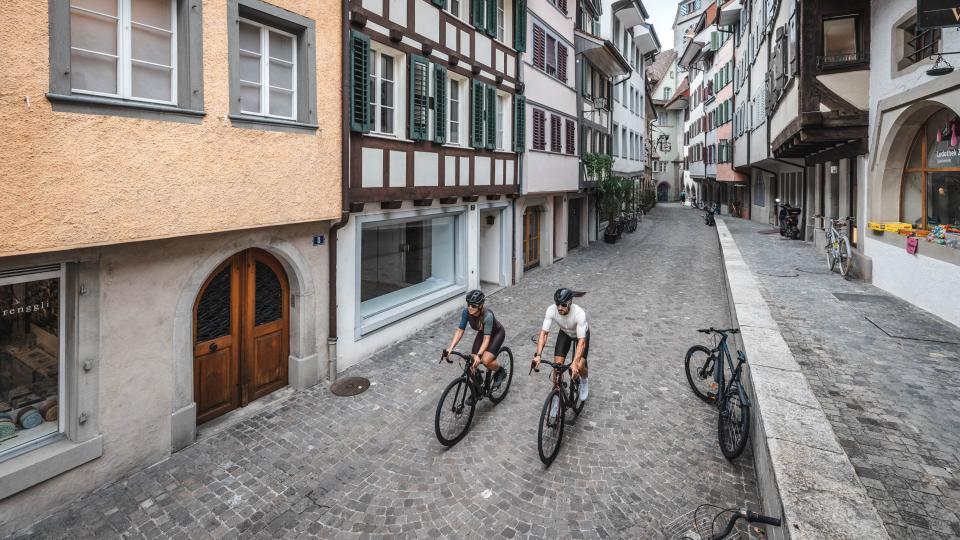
930 188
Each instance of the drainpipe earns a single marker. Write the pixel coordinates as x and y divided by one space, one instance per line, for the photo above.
344 210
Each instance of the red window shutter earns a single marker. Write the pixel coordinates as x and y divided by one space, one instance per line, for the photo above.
561 62
554 133
539 48
539 137
571 137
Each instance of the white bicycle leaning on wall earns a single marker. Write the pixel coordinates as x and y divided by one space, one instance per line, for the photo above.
838 245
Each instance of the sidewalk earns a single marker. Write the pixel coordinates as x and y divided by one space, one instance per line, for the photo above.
885 373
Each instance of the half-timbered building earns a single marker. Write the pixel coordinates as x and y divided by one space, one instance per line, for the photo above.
436 113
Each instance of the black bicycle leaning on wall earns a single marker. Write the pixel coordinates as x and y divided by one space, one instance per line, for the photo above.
730 398
458 401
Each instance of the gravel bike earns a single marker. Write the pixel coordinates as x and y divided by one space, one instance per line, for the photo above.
838 245
458 401
731 400
699 525
562 396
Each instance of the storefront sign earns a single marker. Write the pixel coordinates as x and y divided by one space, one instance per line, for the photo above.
943 155
938 13
21 309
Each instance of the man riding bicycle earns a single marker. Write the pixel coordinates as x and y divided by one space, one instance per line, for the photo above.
572 321
490 335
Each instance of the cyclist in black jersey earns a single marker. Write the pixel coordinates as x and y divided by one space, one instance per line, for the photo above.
490 334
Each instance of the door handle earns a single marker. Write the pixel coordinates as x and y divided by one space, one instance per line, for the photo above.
213 347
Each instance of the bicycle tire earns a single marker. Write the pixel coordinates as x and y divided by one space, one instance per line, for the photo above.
845 256
733 432
548 454
831 257
632 227
505 359
458 407
575 403
702 373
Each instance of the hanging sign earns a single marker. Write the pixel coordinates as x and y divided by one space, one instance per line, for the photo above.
938 13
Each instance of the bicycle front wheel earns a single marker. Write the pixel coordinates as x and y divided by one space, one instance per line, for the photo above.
505 359
733 424
699 367
845 256
454 412
831 255
575 402
551 428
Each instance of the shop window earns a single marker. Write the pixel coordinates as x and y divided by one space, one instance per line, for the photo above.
406 261
930 187
31 359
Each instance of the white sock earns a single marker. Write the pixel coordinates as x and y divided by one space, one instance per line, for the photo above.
584 391
554 407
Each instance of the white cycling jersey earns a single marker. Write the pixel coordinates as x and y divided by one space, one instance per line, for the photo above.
573 324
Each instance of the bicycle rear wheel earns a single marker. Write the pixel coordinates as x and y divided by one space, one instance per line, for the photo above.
699 364
505 359
733 423
454 413
845 256
831 255
551 428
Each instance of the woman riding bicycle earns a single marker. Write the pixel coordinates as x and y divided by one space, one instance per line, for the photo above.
490 335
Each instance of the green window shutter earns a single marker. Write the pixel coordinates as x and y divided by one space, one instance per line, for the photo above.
440 103
492 18
359 82
520 25
442 4
419 97
478 11
491 112
476 115
519 123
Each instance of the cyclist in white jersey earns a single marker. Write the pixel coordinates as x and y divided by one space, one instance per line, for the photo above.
572 320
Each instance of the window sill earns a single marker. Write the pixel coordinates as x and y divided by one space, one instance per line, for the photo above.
117 107
271 124
407 307
57 457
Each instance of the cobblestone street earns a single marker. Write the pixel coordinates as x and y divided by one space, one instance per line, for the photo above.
315 465
892 401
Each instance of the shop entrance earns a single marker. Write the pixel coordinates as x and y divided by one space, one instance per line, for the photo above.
531 238
573 224
241 334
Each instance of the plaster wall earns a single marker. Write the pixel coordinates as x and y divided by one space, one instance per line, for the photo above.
76 180
145 367
548 172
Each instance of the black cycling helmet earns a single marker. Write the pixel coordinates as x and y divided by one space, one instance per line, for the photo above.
562 296
475 297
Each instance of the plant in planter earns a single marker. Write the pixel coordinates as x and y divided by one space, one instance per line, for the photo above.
612 192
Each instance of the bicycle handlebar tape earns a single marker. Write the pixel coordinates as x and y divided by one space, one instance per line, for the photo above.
757 518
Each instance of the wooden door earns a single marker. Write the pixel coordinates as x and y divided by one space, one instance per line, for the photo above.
531 238
573 225
241 334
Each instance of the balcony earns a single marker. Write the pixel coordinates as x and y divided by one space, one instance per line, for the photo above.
843 61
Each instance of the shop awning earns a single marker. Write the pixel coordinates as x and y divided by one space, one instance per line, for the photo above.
646 38
729 13
602 54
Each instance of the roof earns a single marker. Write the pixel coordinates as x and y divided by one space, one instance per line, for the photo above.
660 65
683 91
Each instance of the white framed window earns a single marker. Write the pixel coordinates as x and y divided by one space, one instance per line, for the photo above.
616 144
456 6
624 149
500 123
32 328
268 71
125 49
551 56
386 82
504 132
501 30
455 114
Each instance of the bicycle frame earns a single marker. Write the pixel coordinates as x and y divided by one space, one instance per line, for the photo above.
474 379
718 375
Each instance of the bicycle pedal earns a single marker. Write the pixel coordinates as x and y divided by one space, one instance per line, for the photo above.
711 396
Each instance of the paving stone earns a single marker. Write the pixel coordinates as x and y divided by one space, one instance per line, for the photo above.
643 452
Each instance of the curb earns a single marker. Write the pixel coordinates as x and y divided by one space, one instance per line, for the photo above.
803 473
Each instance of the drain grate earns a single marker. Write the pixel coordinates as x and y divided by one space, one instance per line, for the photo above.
350 386
768 231
779 273
818 271
865 298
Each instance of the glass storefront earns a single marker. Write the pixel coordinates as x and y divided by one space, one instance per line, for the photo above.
30 358
930 188
404 260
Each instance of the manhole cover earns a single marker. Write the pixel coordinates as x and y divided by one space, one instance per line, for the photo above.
779 273
350 386
821 271
867 298
768 231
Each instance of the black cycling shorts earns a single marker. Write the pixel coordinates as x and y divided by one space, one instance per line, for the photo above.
565 343
497 338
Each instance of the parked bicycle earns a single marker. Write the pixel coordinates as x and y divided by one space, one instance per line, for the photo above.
562 396
629 221
702 525
458 401
731 400
838 244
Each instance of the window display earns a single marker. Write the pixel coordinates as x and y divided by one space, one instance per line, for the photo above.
30 354
930 188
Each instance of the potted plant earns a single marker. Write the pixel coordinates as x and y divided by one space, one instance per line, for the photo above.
610 198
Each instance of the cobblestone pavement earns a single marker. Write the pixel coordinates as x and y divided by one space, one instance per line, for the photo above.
892 402
643 452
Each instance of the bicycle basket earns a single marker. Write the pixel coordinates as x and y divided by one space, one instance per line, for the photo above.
687 525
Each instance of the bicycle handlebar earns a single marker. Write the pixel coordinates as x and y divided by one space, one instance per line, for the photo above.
749 516
455 353
554 365
713 330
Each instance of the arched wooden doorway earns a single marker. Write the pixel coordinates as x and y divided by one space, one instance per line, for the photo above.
241 329
663 191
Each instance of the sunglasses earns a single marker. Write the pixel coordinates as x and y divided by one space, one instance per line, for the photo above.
478 306
564 305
